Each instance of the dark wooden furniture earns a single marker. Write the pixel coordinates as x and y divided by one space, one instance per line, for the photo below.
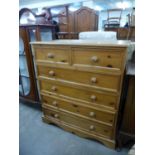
127 130
71 23
28 32
123 33
27 84
126 133
59 14
86 19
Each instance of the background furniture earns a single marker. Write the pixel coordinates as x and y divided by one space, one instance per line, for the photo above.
86 19
59 14
80 85
127 120
27 85
127 130
123 33
114 17
71 23
29 32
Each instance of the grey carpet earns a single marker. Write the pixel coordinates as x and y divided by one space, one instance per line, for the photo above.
39 138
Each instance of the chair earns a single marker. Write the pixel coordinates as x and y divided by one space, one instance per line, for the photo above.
114 17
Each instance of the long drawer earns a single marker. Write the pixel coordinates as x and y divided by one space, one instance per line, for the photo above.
89 96
53 55
103 116
109 58
111 82
90 126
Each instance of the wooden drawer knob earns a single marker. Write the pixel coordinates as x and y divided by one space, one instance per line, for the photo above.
54 88
110 66
52 73
94 58
50 55
93 80
56 115
93 97
63 60
92 127
92 114
55 103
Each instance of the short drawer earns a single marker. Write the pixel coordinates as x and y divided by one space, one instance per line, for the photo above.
91 126
54 55
111 82
98 97
107 58
92 113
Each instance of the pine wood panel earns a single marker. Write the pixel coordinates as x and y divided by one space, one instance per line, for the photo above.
90 126
80 132
101 98
88 78
108 58
59 55
104 116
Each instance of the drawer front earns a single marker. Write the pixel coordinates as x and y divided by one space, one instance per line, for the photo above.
52 55
98 57
79 109
80 94
93 79
89 126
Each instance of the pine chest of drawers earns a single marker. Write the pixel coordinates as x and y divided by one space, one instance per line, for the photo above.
80 85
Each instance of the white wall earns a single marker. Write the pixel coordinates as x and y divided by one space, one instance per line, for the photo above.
31 4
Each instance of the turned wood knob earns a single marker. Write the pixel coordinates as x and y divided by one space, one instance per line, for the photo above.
54 88
50 55
92 127
110 66
63 60
94 58
55 103
92 114
93 97
52 73
93 80
56 115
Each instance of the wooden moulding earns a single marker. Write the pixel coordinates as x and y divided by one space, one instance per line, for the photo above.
79 132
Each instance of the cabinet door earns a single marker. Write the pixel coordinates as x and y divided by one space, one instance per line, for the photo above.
24 81
46 34
85 20
27 85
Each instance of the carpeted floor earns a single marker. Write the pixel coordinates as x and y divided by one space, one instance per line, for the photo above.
39 138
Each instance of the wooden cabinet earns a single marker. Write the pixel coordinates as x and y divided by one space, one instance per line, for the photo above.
32 28
27 82
86 19
59 14
28 89
71 23
81 93
127 121
124 33
27 85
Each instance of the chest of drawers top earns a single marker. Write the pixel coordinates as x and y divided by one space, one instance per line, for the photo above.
118 43
82 54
